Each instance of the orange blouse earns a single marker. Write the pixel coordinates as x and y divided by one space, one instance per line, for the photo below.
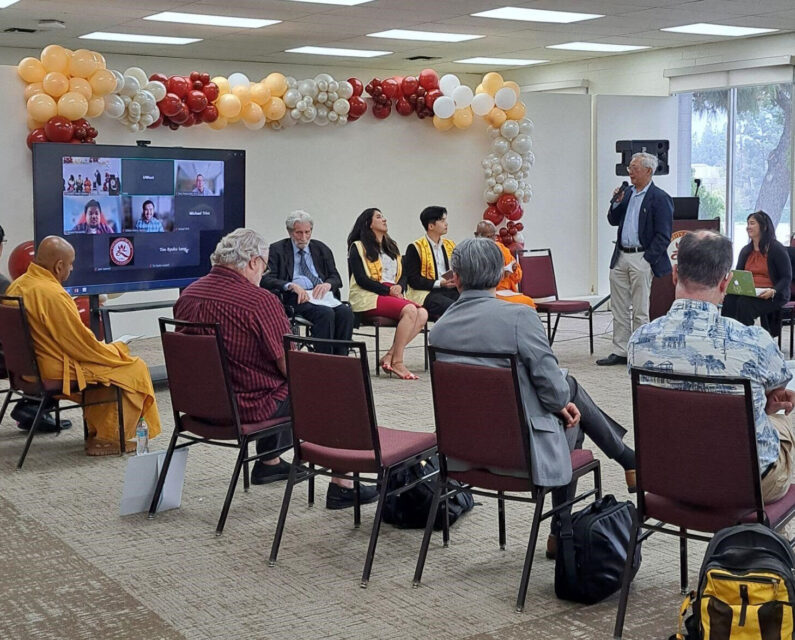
757 265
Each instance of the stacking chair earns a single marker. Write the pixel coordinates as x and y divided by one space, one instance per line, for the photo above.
476 437
538 282
25 379
378 323
204 403
336 431
696 463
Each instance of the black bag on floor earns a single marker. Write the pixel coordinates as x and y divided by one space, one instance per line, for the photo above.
409 510
592 550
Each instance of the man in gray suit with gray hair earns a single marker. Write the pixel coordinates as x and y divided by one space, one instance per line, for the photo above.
558 409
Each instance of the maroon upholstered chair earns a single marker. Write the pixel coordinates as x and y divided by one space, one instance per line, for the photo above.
696 463
538 282
476 437
204 403
336 431
25 379
377 323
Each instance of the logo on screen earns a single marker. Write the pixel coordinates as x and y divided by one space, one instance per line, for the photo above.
122 251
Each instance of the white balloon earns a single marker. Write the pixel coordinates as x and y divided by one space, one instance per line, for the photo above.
448 83
519 237
119 80
531 158
146 120
489 196
512 162
131 86
333 116
526 126
485 163
324 77
292 83
127 100
322 112
137 73
345 89
308 88
341 107
488 172
519 193
134 109
254 126
444 107
497 188
333 96
295 114
322 96
291 98
333 86
155 113
114 106
462 95
157 89
500 178
493 131
505 98
134 127
491 182
500 146
342 120
310 113
301 106
482 103
322 85
522 143
238 79
510 185
509 129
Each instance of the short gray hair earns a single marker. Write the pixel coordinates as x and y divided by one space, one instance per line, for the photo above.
478 263
236 249
703 259
298 216
647 160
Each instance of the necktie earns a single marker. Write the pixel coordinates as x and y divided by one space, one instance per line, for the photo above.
305 270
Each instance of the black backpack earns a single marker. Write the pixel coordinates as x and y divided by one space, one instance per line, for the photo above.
409 510
592 550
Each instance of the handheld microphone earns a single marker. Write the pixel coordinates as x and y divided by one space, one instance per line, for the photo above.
698 185
620 193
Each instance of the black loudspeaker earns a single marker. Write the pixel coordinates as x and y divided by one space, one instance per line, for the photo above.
628 148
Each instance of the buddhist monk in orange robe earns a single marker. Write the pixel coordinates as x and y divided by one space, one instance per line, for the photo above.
508 289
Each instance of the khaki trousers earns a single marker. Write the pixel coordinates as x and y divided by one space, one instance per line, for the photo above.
630 285
776 483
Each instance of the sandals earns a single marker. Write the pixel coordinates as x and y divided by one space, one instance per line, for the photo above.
97 447
403 376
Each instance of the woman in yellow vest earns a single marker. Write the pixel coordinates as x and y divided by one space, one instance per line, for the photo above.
377 286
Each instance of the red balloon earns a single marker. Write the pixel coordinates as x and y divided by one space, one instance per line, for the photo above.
409 85
210 90
507 204
20 258
429 79
173 126
81 122
519 226
390 88
157 122
171 105
59 129
358 107
91 132
431 97
194 76
191 120
357 85
80 133
382 111
196 101
178 85
210 113
196 85
515 247
159 77
492 215
37 135
181 117
404 107
205 78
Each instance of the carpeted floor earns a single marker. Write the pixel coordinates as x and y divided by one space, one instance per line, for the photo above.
72 568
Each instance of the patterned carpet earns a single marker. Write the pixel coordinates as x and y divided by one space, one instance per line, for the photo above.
72 568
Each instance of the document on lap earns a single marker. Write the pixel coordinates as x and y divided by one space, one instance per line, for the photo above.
327 300
506 293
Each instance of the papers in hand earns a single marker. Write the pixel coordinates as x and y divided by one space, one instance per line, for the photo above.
327 300
507 293
126 338
760 290
447 275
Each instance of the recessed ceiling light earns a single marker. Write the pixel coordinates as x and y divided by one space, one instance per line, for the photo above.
596 46
502 62
346 3
331 51
134 37
430 36
7 3
707 29
214 21
536 15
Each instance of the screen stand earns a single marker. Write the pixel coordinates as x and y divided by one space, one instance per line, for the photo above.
93 314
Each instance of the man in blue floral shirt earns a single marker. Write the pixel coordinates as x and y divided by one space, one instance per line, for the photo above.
693 338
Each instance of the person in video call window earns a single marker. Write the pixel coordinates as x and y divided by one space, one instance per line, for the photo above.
92 220
147 222
199 189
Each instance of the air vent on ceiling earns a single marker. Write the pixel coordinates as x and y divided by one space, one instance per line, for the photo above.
18 30
423 58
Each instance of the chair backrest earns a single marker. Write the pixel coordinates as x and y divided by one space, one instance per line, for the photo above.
696 446
538 274
469 427
17 347
198 374
330 396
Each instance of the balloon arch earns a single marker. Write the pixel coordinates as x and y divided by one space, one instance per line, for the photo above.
64 88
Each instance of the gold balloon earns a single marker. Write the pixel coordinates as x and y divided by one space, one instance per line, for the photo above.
234 120
462 118
55 58
34 88
251 113
55 84
222 83
83 63
260 93
492 82
102 82
218 124
516 112
96 106
479 89
442 124
42 107
34 124
512 85
228 106
101 64
31 70
496 117
243 93
72 105
277 84
82 86
275 109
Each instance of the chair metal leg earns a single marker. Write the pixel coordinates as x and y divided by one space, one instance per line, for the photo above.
368 563
310 490
626 580
590 329
32 432
445 520
5 404
501 518
230 492
554 330
441 485
161 479
277 538
120 415
597 479
791 332
377 351
683 561
357 502
425 346
549 327
531 548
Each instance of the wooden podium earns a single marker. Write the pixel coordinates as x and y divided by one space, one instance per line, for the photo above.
662 289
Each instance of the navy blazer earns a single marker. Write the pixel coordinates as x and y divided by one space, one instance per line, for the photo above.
281 263
654 227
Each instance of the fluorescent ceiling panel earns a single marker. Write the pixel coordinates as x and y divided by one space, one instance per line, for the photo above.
501 62
135 37
210 20
429 36
707 29
330 51
345 3
536 15
596 46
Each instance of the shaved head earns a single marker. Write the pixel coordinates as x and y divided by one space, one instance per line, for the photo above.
485 229
57 256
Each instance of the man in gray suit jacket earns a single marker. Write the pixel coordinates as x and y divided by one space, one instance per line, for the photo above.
558 409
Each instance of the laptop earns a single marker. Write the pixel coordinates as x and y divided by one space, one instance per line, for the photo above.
741 283
686 208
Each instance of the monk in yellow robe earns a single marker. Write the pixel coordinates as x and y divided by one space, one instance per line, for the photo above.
513 272
66 349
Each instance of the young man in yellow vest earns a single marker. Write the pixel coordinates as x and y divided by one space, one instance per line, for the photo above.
426 262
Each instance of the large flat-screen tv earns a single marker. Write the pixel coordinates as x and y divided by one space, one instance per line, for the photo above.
138 217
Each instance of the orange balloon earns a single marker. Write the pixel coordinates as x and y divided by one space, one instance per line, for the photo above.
228 106
496 117
462 118
34 88
442 124
102 82
55 58
260 93
34 124
100 60
512 85
492 82
72 105
275 109
251 113
243 93
83 63
222 83
218 124
480 89
82 86
31 70
55 84
516 112
42 107
234 120
96 106
277 84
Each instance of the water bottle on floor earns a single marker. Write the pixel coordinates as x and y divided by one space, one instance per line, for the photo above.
142 435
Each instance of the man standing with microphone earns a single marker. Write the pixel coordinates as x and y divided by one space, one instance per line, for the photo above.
643 214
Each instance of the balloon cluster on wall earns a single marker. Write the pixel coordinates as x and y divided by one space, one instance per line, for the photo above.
410 94
133 102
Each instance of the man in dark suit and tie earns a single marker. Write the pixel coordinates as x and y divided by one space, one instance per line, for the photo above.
305 273
643 214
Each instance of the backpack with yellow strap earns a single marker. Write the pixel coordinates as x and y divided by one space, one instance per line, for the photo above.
746 588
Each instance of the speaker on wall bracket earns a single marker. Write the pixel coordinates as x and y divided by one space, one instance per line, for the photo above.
628 148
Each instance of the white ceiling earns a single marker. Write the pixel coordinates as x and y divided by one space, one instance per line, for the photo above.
634 22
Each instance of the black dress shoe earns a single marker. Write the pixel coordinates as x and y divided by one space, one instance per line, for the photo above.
46 425
266 473
612 359
25 413
341 497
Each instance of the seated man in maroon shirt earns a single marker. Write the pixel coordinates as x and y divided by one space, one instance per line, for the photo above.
253 323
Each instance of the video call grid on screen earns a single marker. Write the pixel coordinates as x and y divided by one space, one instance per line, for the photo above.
139 218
